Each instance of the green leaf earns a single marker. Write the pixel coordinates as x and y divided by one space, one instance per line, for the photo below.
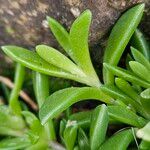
146 94
119 38
126 75
61 100
79 44
98 128
124 85
144 133
59 60
126 116
14 143
144 145
139 57
70 135
60 34
140 70
62 127
138 41
83 141
119 141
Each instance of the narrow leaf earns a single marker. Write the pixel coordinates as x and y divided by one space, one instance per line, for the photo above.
119 141
60 34
79 43
57 59
119 38
140 70
138 41
98 127
126 75
61 100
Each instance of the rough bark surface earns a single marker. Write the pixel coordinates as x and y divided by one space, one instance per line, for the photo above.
23 22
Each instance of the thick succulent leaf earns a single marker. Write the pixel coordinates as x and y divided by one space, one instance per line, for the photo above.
119 38
57 59
70 135
60 34
79 43
126 116
138 41
124 85
83 141
119 141
61 100
126 75
14 143
146 94
98 128
140 70
144 132
139 57
116 93
33 61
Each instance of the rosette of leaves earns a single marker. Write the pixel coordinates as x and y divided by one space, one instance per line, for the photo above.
123 90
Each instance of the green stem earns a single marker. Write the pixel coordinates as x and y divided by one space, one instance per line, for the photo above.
41 87
19 78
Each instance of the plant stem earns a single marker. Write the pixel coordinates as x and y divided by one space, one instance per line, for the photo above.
41 87
13 100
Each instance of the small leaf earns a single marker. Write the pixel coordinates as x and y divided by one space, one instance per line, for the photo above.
126 116
119 38
124 85
83 141
61 100
138 41
14 143
79 44
146 94
119 141
144 133
70 135
57 59
126 75
139 57
60 34
98 127
140 70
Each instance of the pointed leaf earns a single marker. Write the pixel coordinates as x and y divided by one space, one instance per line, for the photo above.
99 124
61 100
79 43
83 141
57 59
139 57
140 70
60 34
118 141
126 75
120 37
138 41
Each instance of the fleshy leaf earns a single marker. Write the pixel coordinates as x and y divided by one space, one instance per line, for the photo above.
98 128
57 59
126 75
140 70
118 141
60 34
61 100
119 38
79 44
